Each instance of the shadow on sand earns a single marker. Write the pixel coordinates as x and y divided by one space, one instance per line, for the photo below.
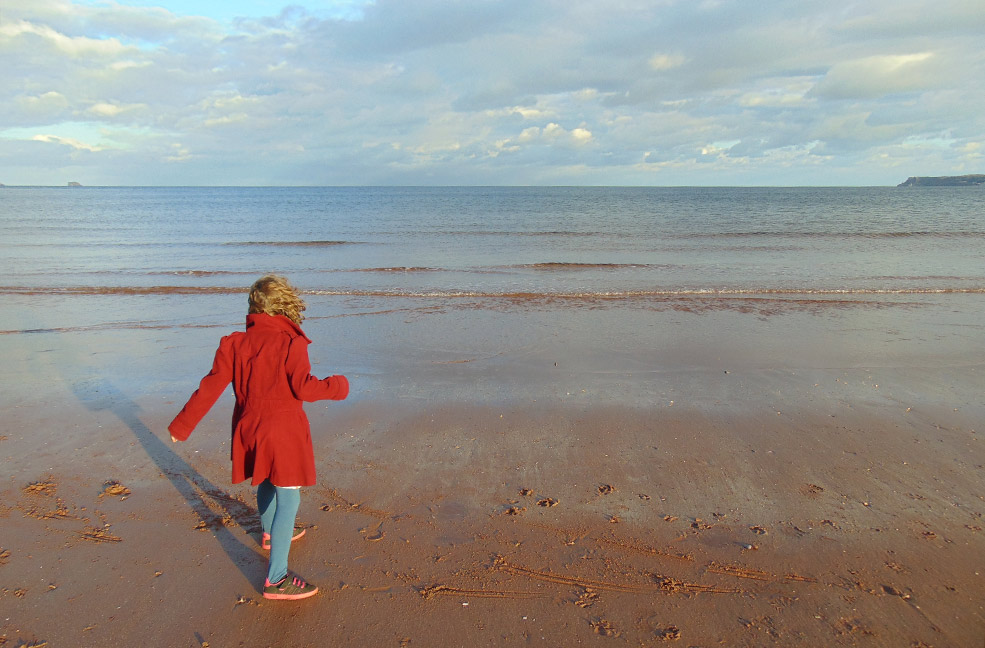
215 507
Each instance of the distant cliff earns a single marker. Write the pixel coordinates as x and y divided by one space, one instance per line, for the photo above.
944 181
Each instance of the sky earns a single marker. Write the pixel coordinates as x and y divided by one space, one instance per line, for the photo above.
490 92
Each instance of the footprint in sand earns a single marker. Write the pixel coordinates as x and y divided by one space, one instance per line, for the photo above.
604 628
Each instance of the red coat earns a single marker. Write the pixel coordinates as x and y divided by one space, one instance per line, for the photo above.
271 375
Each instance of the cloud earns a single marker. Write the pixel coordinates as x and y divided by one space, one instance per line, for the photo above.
444 91
30 35
103 109
778 93
66 141
551 134
47 107
666 61
876 76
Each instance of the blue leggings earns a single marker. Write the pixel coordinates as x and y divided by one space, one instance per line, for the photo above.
278 509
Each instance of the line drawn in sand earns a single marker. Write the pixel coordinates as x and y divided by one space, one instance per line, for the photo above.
660 584
430 591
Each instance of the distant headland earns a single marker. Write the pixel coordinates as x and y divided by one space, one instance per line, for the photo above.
944 181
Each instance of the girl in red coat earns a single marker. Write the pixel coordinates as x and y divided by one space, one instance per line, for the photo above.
271 442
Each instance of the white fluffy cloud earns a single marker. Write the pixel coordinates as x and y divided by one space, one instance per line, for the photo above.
876 76
507 92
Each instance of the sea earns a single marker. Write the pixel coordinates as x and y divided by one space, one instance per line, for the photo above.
421 292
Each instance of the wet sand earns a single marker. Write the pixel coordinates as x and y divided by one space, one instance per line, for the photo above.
630 478
835 522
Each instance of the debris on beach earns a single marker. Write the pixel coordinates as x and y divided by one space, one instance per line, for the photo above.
96 534
46 486
670 633
892 591
606 489
115 488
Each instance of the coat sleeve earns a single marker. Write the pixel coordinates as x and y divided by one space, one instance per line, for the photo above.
305 386
208 392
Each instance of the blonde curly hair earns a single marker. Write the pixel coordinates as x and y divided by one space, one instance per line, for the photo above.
274 295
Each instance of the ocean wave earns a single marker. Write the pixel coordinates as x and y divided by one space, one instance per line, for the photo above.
112 326
829 234
121 290
287 243
201 273
398 269
562 265
642 294
667 234
510 295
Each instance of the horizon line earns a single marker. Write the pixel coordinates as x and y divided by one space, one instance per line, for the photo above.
450 186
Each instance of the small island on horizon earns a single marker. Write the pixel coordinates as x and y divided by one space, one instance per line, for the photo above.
944 181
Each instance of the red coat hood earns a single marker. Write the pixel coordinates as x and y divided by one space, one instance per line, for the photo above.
274 322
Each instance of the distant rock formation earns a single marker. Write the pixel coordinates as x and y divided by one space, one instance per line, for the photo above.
944 181
74 184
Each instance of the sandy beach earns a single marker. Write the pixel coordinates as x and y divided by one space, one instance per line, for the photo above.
605 416
815 500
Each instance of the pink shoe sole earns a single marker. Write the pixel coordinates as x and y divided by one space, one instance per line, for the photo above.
265 540
289 597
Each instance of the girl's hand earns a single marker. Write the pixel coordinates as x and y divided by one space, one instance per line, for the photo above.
174 439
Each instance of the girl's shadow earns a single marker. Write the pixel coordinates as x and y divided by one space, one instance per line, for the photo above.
214 506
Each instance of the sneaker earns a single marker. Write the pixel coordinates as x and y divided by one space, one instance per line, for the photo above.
291 588
298 532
